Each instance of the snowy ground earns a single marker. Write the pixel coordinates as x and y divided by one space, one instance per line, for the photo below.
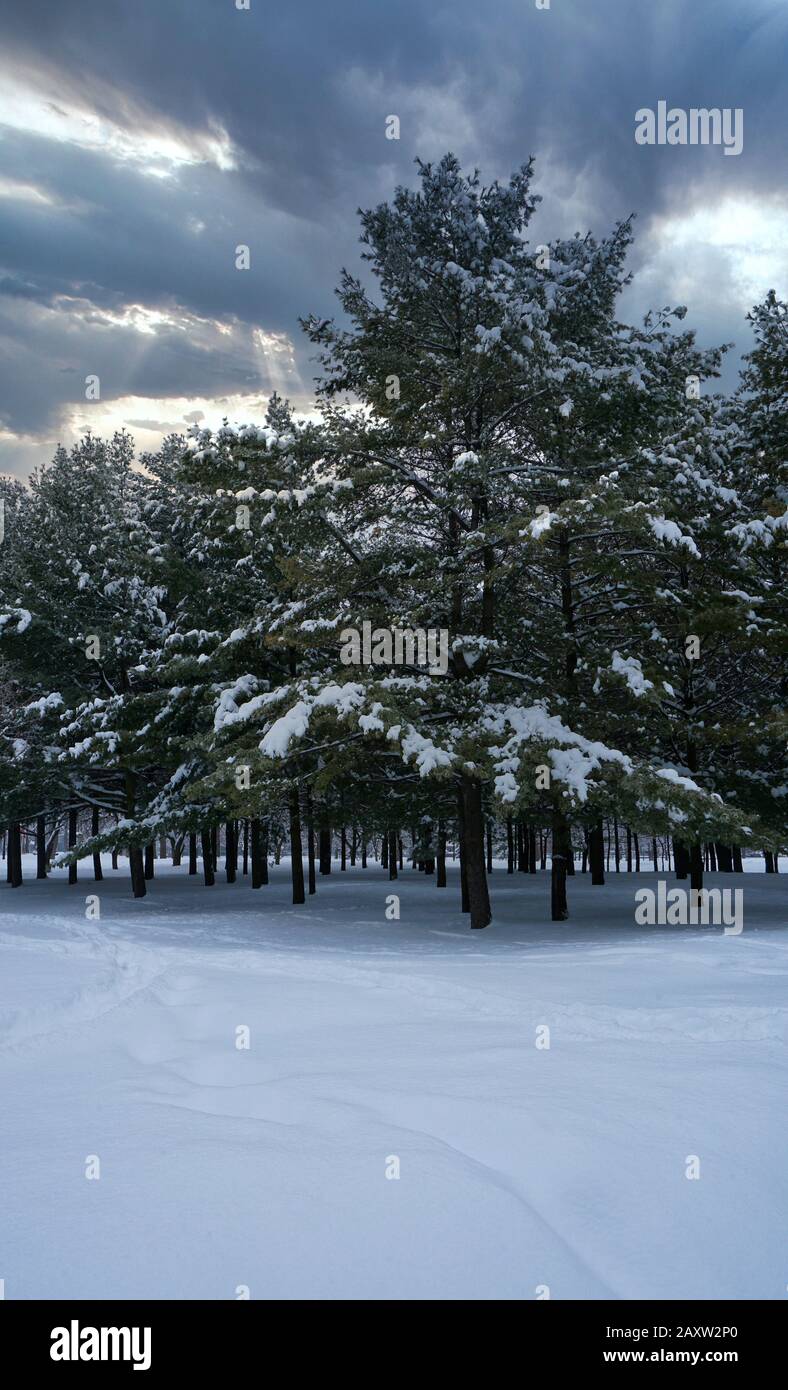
373 1040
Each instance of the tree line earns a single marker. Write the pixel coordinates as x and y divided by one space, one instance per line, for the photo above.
493 455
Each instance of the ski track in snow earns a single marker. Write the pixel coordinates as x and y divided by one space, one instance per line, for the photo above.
372 1038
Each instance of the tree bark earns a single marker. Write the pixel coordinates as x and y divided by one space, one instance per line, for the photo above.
72 840
296 849
14 852
206 841
230 851
150 851
310 844
478 894
41 848
137 871
192 852
465 902
392 854
136 865
738 867
596 853
724 859
681 858
94 830
440 881
325 849
257 877
264 839
696 867
559 910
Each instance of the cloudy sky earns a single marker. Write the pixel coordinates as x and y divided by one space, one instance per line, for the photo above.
142 140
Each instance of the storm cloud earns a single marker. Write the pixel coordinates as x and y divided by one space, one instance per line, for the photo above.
141 143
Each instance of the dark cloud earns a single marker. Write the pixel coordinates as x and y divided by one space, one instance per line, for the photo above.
300 93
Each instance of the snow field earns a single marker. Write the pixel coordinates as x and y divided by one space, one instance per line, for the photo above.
377 1044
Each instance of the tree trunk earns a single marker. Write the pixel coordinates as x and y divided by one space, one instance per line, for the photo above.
177 850
532 849
149 860
246 849
206 842
325 849
72 840
363 852
14 852
724 859
115 857
94 830
654 863
310 844
136 866
559 910
41 848
465 901
629 850
192 852
478 894
257 876
137 871
296 849
230 851
696 867
681 858
738 867
353 848
637 853
617 845
523 834
384 850
264 839
392 855
769 861
489 847
343 849
509 846
596 853
440 881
